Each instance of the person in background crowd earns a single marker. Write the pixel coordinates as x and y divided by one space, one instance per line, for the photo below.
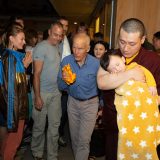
136 105
83 94
64 51
31 37
82 28
147 45
156 42
31 41
64 45
131 37
45 34
46 96
17 19
99 49
1 35
97 37
40 36
97 144
14 105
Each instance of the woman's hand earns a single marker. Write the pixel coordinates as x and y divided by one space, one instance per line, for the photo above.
27 60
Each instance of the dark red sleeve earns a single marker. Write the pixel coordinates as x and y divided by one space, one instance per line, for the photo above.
151 61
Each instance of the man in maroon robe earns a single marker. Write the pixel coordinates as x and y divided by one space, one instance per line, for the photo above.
131 37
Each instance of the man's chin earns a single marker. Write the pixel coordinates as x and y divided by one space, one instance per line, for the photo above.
126 55
77 59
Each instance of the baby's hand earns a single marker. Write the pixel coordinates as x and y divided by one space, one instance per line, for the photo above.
153 91
138 74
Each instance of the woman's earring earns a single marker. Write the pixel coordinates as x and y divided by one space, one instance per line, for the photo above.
12 47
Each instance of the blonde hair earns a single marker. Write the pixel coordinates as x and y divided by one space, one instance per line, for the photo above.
12 30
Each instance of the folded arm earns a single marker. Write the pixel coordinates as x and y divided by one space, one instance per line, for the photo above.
107 81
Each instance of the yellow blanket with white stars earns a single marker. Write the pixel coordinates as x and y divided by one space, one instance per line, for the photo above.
138 122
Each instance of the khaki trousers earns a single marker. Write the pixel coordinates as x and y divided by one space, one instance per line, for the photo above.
82 118
51 110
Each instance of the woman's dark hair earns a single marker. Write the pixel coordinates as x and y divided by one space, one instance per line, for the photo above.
30 33
102 43
105 59
84 26
157 35
14 18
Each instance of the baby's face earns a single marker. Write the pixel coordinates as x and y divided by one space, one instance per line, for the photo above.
116 64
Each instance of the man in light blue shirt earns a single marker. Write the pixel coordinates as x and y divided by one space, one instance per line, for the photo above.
83 100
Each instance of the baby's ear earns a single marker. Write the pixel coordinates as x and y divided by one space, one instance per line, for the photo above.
123 59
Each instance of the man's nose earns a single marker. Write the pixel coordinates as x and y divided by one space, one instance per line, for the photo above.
59 38
77 51
126 47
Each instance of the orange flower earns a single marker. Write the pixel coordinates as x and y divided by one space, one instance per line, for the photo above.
71 77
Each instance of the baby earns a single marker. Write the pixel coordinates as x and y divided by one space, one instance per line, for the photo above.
137 111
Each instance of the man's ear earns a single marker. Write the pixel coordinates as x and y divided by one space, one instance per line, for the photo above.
49 31
143 39
88 48
158 41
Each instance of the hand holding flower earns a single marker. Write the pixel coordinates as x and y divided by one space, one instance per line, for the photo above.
67 75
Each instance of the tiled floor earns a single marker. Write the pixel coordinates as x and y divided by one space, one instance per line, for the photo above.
65 153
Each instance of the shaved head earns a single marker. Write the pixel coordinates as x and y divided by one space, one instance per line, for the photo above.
81 47
133 25
82 36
